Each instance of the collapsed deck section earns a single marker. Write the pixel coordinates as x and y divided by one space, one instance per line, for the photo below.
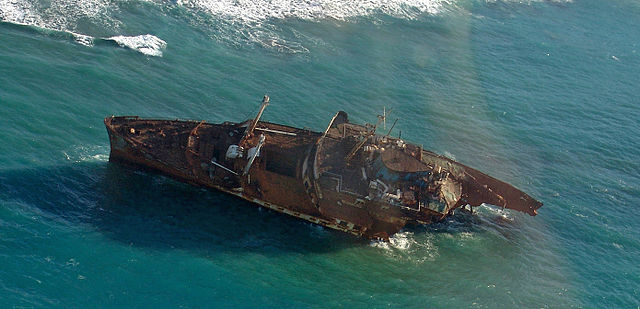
357 160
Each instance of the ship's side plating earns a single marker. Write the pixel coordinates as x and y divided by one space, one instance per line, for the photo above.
199 153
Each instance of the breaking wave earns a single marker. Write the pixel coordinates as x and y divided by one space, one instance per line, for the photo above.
147 44
260 21
60 19
257 21
230 21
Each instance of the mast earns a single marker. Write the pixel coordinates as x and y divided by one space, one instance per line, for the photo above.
381 118
254 122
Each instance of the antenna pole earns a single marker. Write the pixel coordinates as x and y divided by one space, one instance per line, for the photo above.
384 117
394 124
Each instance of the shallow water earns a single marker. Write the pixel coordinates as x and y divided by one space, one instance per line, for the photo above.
541 94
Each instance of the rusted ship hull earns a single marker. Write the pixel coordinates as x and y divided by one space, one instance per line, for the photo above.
127 153
347 178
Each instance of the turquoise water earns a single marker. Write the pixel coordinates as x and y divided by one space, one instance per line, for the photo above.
541 94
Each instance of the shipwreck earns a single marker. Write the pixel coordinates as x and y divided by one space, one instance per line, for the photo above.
349 177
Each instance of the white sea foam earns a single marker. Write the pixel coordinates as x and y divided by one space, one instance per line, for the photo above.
404 246
494 212
59 14
449 155
256 21
87 154
147 44
231 21
19 12
252 19
256 11
83 39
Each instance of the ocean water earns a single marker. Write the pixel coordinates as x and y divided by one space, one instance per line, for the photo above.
541 94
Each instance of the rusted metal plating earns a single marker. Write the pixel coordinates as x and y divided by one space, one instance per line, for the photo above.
347 178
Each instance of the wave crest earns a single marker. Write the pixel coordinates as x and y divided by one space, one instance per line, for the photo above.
147 44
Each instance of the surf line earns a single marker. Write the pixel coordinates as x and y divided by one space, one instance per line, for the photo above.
147 44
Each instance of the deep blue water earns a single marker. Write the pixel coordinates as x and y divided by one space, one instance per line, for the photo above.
541 94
